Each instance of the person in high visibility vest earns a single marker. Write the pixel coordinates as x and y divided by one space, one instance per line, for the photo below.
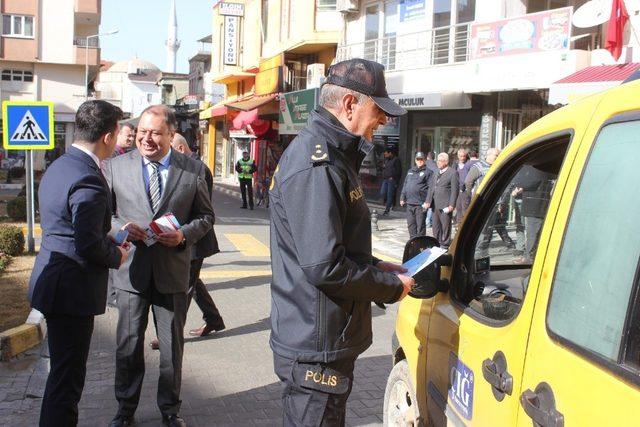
245 167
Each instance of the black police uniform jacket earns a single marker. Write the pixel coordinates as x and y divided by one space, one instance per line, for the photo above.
324 279
416 186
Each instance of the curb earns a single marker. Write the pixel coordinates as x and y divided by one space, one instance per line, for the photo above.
17 340
226 190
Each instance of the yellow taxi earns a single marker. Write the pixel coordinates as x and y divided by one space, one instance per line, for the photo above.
533 316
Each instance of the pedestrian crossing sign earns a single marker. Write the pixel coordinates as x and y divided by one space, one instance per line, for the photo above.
27 125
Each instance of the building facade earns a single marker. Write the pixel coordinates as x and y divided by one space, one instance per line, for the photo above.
471 73
43 48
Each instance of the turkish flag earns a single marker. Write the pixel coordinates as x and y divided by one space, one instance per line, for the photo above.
615 31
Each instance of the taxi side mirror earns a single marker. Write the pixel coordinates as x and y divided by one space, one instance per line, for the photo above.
428 282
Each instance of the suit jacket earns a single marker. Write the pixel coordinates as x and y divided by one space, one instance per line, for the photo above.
443 190
71 270
185 195
208 245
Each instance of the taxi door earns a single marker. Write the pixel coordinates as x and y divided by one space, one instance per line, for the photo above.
583 360
479 329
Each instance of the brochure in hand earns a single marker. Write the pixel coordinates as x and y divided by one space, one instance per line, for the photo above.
422 260
166 223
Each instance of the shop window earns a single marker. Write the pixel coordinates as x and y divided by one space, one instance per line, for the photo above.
17 26
59 135
597 271
502 232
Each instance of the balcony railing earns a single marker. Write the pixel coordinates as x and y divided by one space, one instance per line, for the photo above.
82 42
444 45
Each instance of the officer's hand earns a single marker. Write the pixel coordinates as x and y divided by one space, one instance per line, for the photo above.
123 255
390 267
135 232
407 283
401 202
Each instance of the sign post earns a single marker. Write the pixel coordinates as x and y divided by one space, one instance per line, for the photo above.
28 125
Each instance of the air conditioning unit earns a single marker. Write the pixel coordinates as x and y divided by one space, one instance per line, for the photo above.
315 75
347 6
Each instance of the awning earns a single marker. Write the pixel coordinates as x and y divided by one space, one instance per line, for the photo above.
232 77
588 81
253 102
216 110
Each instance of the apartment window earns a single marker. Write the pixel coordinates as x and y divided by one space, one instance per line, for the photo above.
326 5
540 5
17 76
17 26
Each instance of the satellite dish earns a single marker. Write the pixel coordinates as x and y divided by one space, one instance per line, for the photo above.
592 13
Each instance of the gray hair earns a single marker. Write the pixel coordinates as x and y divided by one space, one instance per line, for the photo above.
179 141
443 156
331 95
167 113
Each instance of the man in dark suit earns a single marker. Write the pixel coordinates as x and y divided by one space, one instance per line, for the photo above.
443 193
146 184
69 279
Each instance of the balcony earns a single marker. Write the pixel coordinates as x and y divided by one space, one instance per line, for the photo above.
87 12
438 46
92 55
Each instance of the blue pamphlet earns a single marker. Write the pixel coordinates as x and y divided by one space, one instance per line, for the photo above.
422 260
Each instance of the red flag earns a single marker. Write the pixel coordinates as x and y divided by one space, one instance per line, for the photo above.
615 31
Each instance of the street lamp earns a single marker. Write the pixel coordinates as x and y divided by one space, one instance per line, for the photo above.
86 60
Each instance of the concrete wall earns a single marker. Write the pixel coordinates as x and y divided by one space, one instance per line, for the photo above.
63 84
57 30
20 7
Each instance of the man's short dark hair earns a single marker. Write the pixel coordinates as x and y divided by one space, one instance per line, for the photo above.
473 153
95 119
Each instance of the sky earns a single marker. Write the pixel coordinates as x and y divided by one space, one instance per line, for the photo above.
142 26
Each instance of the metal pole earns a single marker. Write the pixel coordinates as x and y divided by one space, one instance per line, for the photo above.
30 200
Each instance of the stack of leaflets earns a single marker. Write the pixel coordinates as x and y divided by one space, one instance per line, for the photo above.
422 260
165 224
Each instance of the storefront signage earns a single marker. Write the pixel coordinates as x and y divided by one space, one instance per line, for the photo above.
273 62
231 9
295 108
230 40
412 10
536 32
418 101
268 81
486 133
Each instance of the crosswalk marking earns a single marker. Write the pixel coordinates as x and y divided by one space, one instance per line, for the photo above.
248 245
37 231
232 274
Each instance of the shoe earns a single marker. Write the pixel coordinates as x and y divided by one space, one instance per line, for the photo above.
385 213
251 207
243 207
121 421
173 421
154 344
205 330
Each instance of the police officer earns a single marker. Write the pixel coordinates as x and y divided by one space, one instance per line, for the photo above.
324 276
414 196
245 167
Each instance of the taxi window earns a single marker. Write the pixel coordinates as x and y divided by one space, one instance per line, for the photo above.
598 263
500 245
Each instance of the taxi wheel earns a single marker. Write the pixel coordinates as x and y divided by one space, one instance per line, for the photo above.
400 404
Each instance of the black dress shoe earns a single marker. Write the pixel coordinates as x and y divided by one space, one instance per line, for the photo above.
173 421
243 207
205 330
121 421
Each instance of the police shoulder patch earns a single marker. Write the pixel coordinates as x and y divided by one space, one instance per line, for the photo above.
319 152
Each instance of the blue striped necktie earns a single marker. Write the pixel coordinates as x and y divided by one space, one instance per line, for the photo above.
155 186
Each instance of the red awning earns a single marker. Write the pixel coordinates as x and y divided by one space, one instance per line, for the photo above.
602 73
252 103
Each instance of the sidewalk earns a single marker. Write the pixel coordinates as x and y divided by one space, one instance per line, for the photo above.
388 241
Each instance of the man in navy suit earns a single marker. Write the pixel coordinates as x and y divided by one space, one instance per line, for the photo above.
69 279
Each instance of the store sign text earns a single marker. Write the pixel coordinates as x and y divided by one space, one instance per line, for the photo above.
232 9
230 40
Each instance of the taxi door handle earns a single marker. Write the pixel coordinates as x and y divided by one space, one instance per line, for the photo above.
540 406
495 373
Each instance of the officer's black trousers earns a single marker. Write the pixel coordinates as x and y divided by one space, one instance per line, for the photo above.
416 221
303 406
246 186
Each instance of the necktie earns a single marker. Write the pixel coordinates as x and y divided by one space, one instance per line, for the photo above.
155 186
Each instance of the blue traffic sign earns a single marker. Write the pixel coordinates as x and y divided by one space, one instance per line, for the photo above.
27 125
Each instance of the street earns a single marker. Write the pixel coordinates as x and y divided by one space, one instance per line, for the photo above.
228 377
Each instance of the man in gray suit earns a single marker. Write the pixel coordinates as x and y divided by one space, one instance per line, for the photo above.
147 183
443 193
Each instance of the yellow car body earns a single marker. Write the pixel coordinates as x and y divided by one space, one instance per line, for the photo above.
562 381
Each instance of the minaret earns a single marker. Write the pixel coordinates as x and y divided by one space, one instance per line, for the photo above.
173 44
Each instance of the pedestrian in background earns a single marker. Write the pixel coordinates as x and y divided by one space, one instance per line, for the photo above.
147 183
324 276
443 194
391 175
414 195
433 167
461 169
126 139
69 279
245 167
